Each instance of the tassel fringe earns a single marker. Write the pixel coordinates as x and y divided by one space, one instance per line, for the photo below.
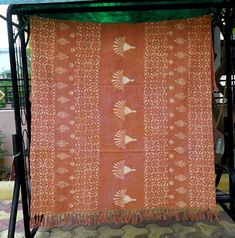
123 216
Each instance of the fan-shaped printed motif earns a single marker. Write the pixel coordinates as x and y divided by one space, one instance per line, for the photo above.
181 204
62 198
63 26
181 190
121 110
62 156
180 40
181 177
180 163
60 70
62 184
63 41
62 99
61 85
181 109
61 170
180 81
120 198
62 143
180 26
62 56
180 54
180 135
63 128
180 123
181 69
121 139
120 169
62 114
120 46
180 150
180 96
119 80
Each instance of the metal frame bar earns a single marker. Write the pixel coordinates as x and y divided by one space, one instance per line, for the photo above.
228 33
19 160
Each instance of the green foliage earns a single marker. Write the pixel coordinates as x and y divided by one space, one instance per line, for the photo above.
5 74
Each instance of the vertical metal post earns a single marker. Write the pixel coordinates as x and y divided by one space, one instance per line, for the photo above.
16 191
18 139
228 31
25 76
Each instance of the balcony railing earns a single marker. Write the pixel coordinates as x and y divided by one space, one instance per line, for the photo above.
6 103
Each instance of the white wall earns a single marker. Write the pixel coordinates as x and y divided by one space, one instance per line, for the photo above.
7 127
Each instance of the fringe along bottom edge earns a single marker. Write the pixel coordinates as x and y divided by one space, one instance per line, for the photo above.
123 216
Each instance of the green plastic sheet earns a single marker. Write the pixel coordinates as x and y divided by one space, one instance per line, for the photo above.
120 16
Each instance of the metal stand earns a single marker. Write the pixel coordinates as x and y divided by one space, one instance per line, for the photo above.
22 109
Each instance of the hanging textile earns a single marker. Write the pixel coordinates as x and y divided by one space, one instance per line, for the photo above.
121 121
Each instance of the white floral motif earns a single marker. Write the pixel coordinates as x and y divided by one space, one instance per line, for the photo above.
200 61
86 120
156 128
43 59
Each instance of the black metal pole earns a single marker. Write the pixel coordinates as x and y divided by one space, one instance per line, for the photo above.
228 31
18 138
16 191
25 77
225 155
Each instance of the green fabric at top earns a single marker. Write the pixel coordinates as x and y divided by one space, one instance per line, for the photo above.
57 1
119 16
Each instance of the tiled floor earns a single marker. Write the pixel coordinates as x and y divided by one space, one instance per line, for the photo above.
225 228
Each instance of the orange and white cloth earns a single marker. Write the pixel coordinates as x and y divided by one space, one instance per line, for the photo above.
121 121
